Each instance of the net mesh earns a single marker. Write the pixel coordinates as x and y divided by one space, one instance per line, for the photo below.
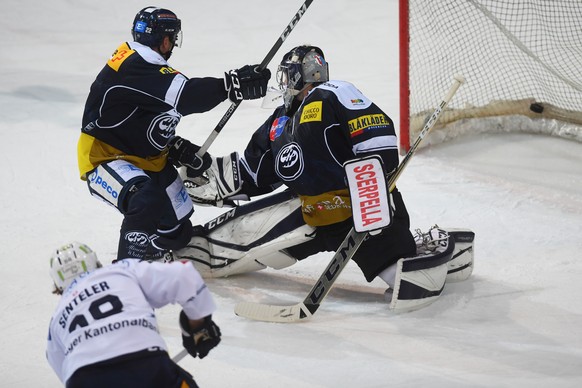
512 53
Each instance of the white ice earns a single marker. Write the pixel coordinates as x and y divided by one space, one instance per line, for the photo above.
517 322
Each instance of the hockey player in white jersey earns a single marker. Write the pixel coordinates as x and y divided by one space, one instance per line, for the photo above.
321 125
104 331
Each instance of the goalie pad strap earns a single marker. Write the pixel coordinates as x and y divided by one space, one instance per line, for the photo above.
418 263
461 265
410 291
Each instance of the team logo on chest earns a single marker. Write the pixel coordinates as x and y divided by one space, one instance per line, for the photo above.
162 128
289 162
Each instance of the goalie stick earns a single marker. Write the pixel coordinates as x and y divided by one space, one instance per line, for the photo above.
351 243
233 107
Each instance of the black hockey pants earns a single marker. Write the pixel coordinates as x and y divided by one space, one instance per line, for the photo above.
377 252
137 370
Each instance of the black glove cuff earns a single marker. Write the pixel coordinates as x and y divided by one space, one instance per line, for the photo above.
185 324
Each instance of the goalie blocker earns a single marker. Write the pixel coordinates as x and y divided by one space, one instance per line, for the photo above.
369 195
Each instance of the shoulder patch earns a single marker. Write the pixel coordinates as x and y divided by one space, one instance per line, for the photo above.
121 54
168 70
365 123
277 127
311 112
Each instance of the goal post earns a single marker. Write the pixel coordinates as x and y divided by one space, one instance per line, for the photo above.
522 61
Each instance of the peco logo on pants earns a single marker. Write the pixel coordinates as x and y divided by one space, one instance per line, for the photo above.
96 179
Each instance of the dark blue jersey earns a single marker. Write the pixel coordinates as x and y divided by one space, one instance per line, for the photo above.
134 106
306 151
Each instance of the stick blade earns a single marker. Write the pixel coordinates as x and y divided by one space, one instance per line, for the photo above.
460 78
272 313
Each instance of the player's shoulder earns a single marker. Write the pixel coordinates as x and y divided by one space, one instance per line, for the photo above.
123 55
137 58
346 93
336 87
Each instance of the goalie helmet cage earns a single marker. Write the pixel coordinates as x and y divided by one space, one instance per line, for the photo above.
521 60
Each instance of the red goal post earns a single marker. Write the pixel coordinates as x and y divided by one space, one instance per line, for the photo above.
522 61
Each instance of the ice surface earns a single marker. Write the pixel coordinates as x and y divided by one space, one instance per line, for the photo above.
516 323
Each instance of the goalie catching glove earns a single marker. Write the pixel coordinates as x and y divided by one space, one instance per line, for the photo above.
183 153
247 83
198 342
224 181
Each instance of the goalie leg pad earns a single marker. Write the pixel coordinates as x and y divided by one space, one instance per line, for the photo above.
420 280
198 252
250 237
461 265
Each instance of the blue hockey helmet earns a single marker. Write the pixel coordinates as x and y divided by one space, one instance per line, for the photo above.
151 24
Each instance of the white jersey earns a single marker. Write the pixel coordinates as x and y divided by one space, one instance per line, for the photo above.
109 312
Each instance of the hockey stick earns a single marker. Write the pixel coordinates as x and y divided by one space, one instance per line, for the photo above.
233 107
305 309
178 357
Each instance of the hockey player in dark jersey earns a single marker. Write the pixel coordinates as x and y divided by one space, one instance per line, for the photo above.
128 148
303 145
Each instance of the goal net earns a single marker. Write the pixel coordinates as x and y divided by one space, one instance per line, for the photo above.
522 61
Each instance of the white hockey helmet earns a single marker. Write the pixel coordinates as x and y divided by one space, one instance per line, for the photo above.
70 261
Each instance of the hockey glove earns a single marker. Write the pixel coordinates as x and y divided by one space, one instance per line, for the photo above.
224 183
246 83
183 153
198 342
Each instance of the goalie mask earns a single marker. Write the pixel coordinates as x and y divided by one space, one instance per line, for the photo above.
70 261
301 66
